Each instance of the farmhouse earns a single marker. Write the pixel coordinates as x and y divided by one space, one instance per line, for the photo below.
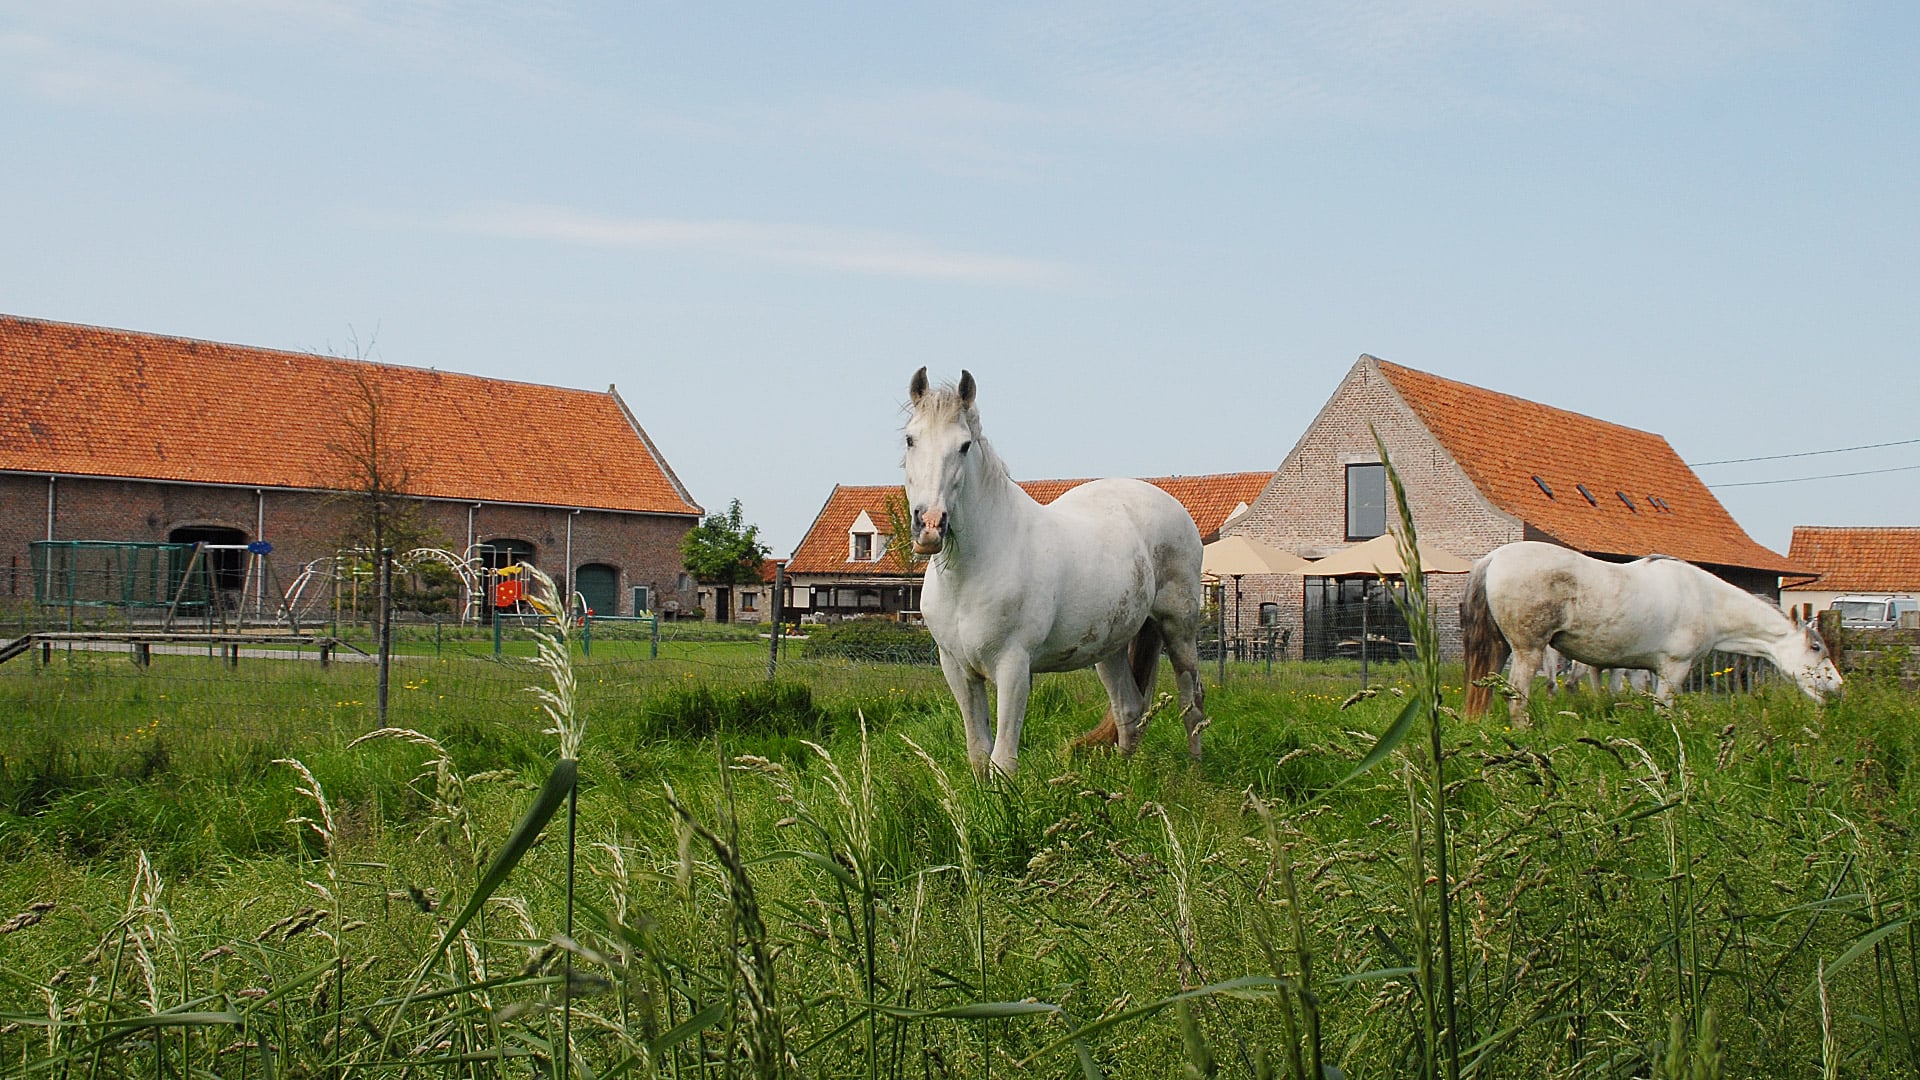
847 566
1481 469
1859 561
110 435
742 602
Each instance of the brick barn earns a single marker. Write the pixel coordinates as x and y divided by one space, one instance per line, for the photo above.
112 435
844 567
1481 469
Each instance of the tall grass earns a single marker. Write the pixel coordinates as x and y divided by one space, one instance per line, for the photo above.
814 884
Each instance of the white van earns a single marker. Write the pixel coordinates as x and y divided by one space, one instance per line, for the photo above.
1872 612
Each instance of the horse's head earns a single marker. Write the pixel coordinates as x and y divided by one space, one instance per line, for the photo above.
941 461
1805 657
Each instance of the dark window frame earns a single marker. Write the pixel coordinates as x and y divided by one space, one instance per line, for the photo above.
1378 473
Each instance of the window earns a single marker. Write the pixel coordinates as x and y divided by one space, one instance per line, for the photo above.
862 547
1269 614
1543 485
1366 501
749 601
1625 498
1582 489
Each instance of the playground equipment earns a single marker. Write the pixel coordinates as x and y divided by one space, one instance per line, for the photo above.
324 582
171 581
147 584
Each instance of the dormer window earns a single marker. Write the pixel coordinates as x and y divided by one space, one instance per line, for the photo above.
865 542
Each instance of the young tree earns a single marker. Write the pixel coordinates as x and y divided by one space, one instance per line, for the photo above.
374 475
373 478
724 549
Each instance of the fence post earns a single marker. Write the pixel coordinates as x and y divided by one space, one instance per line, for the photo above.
496 634
1220 620
1834 634
773 609
653 649
385 617
586 632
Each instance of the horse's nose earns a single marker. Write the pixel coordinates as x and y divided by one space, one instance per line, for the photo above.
930 530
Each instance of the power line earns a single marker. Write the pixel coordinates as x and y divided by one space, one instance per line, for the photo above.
1804 453
1825 476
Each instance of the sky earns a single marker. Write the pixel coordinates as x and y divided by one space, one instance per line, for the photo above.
1158 234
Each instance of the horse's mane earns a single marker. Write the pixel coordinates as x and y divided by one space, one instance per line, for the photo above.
1770 603
942 404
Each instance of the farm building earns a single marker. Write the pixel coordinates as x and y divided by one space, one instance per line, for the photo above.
1481 469
1844 561
742 602
845 566
110 435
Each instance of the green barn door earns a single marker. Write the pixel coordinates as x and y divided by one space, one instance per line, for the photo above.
599 585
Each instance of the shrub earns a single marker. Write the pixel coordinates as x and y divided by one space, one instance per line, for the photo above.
876 640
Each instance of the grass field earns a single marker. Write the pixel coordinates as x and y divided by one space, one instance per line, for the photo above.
803 878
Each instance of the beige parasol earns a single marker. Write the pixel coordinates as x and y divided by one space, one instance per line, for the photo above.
1238 556
1381 555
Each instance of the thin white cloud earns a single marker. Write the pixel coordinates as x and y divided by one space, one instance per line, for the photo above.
169 55
1217 67
862 251
64 73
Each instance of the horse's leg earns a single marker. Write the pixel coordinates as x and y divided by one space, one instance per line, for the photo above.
1185 654
1669 678
1012 682
1526 665
970 691
1143 656
1125 703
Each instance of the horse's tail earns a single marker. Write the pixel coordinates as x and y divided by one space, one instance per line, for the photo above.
1486 647
1143 659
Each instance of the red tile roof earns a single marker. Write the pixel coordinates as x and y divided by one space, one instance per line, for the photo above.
1504 442
1209 499
87 401
1858 560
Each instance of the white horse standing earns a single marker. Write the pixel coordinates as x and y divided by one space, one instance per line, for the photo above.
1104 576
1656 614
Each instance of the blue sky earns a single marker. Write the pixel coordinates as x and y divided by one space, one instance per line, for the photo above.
1157 233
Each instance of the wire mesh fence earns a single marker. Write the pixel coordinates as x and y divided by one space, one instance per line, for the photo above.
446 668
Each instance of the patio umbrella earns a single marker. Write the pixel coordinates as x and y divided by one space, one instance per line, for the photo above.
1381 555
1238 556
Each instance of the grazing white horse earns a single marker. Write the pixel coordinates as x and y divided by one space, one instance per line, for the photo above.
1655 614
1105 576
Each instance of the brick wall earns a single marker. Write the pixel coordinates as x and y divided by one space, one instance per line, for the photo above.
1304 507
303 526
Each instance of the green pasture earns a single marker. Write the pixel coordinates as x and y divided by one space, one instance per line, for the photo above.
802 878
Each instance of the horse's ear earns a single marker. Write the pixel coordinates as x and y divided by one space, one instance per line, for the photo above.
918 387
966 388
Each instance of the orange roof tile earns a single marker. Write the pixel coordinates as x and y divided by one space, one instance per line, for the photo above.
1209 499
88 401
1644 499
1859 560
